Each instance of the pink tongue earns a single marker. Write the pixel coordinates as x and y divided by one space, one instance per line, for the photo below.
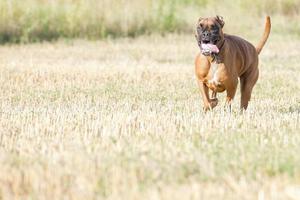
210 47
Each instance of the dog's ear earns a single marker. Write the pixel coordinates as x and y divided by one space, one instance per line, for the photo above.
196 33
199 20
198 26
220 20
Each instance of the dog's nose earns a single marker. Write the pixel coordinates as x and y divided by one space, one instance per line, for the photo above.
205 34
205 37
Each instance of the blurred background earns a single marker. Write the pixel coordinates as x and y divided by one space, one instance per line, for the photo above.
39 20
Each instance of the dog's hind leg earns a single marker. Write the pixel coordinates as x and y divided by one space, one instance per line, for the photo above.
248 81
230 93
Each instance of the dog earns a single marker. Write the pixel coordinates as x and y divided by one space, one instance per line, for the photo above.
223 60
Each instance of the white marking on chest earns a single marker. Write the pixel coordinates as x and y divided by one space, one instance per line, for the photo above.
214 70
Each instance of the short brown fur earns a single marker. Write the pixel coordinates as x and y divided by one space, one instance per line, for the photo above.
238 60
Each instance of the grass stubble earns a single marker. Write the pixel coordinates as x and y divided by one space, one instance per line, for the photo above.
122 119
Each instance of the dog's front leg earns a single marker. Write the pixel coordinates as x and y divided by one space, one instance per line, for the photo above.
205 96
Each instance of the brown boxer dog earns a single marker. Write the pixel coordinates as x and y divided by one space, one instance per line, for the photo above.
223 60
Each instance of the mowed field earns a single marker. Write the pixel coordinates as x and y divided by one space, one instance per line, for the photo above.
123 119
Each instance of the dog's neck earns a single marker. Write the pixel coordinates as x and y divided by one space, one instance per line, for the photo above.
217 57
221 45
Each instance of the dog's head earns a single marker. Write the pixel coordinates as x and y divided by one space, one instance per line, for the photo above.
209 32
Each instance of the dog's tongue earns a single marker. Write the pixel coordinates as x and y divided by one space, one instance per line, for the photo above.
210 47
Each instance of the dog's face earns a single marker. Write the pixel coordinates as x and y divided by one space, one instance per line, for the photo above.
209 30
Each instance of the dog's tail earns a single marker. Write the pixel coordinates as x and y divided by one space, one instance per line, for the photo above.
265 35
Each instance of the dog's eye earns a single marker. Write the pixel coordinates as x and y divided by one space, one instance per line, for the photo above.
215 30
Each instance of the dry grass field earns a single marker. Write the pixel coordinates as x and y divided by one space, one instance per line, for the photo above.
123 119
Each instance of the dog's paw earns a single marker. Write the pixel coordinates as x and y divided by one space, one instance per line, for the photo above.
209 106
213 102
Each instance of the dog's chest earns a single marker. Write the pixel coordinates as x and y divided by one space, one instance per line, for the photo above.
213 79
